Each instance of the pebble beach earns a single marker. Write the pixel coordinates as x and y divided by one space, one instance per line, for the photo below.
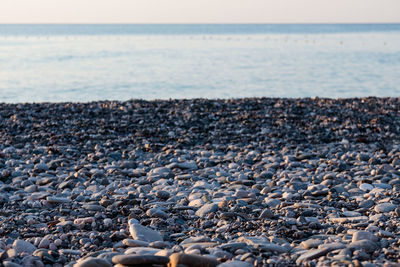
201 183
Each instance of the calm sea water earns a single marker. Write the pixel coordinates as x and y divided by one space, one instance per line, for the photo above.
119 62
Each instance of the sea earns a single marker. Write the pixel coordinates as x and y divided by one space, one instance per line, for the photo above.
83 63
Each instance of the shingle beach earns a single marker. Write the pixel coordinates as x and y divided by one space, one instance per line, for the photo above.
201 183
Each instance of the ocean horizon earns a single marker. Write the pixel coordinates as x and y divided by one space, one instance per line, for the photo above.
89 62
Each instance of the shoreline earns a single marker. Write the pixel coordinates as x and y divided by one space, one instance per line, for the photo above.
262 181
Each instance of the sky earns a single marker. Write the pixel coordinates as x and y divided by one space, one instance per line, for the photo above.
199 11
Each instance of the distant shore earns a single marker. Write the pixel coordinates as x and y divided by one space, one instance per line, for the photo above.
253 182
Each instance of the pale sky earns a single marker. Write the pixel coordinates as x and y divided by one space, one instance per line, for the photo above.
199 11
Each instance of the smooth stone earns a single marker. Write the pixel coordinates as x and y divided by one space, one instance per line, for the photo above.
70 252
366 187
360 235
312 254
10 264
332 246
202 245
23 246
141 259
44 243
207 209
384 207
233 246
235 264
191 260
93 207
57 200
93 262
163 194
134 243
156 213
254 240
272 203
349 219
196 239
188 165
139 232
366 245
311 243
196 203
274 247
366 204
142 251
266 214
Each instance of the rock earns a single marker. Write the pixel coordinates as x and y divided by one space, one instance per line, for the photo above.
93 262
10 264
207 209
156 213
384 207
311 243
266 214
134 243
360 235
312 254
366 245
141 259
139 232
191 260
162 194
23 246
142 251
57 200
235 263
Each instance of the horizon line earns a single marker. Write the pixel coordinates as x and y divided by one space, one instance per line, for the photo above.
191 23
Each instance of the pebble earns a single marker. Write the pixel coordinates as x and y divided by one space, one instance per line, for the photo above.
384 207
259 181
191 260
142 233
206 209
137 260
235 263
93 262
22 246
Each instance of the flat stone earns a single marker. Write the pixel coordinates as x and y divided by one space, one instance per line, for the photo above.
93 207
156 213
207 209
57 200
254 240
192 260
196 239
235 264
366 245
311 243
233 245
384 207
332 246
134 243
139 232
93 262
366 204
366 187
10 264
23 246
202 245
349 219
274 248
142 251
360 235
141 259
312 254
